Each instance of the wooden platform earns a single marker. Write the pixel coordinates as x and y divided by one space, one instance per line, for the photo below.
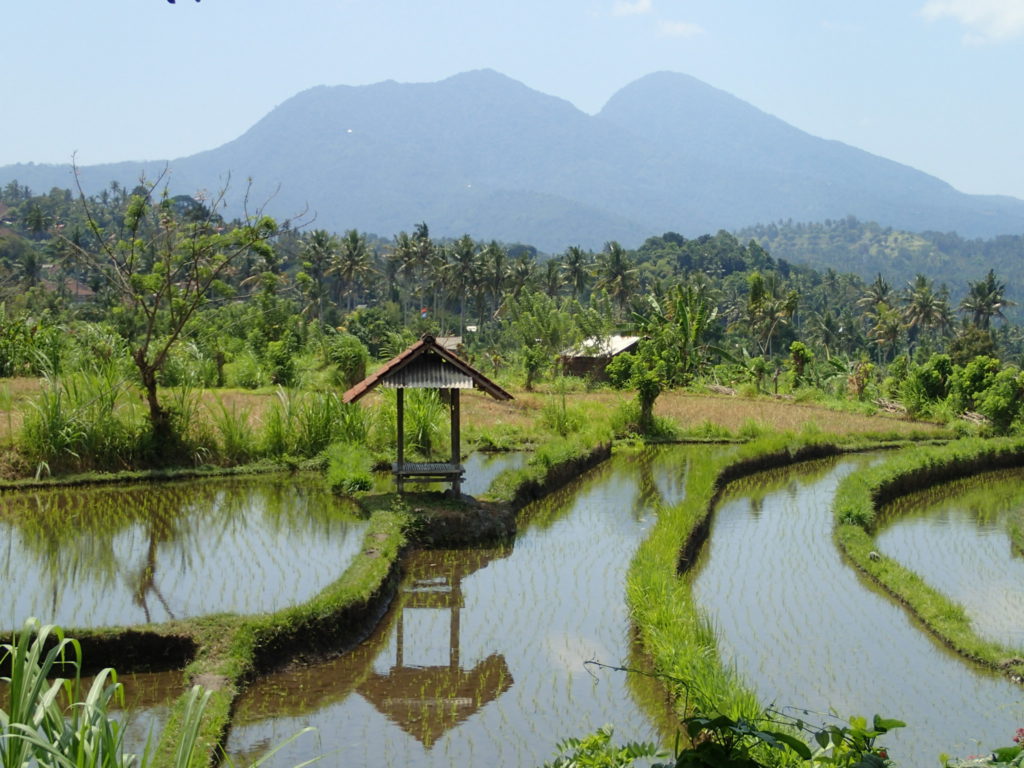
428 472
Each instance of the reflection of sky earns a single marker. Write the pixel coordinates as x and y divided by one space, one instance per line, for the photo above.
480 470
244 552
555 602
806 632
967 556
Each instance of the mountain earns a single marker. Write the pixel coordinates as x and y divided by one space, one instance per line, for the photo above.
482 154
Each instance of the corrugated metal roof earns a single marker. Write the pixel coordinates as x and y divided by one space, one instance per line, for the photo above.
428 372
609 346
427 346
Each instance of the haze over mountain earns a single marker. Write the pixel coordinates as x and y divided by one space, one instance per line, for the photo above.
480 153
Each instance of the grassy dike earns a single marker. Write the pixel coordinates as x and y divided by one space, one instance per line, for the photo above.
858 500
232 650
679 643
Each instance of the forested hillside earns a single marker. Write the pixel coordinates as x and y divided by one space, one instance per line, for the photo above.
869 249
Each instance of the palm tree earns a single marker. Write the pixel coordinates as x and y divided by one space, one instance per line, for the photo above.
877 293
520 275
924 308
617 274
886 327
352 264
576 264
985 300
553 278
318 255
464 273
826 330
495 267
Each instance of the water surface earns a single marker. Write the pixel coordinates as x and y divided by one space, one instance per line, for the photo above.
956 537
481 660
102 556
807 633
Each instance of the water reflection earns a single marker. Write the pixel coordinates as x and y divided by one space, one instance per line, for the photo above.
956 538
481 660
88 557
481 470
805 631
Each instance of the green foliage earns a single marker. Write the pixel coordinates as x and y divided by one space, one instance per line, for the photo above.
424 422
926 384
350 355
50 722
560 418
596 750
349 468
246 371
620 370
1002 400
800 356
280 362
83 421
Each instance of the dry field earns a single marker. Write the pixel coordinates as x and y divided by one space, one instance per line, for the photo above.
689 411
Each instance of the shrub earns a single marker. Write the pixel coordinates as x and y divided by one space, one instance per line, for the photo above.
349 468
350 355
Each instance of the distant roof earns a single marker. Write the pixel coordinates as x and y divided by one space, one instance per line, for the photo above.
426 365
451 343
607 346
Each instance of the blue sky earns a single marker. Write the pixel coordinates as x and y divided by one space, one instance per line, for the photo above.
935 84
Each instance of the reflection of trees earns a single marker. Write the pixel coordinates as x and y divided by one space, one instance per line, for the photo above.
988 499
85 536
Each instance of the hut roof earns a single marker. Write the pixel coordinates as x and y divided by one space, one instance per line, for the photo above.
602 346
426 365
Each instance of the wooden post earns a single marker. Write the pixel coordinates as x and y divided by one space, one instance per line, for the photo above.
456 449
400 461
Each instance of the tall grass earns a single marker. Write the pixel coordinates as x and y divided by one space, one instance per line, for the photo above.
237 443
48 721
306 423
85 420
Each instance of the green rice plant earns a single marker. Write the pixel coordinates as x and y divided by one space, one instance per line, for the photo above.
83 421
856 506
751 428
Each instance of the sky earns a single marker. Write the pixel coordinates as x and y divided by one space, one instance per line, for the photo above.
933 84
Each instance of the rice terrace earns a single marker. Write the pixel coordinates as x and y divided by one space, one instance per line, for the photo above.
436 420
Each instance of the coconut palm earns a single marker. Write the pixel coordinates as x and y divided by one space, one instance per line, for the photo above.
576 265
617 274
352 264
925 309
985 300
318 254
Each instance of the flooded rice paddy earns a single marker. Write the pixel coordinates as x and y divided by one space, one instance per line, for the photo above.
93 557
481 660
481 657
957 538
807 633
